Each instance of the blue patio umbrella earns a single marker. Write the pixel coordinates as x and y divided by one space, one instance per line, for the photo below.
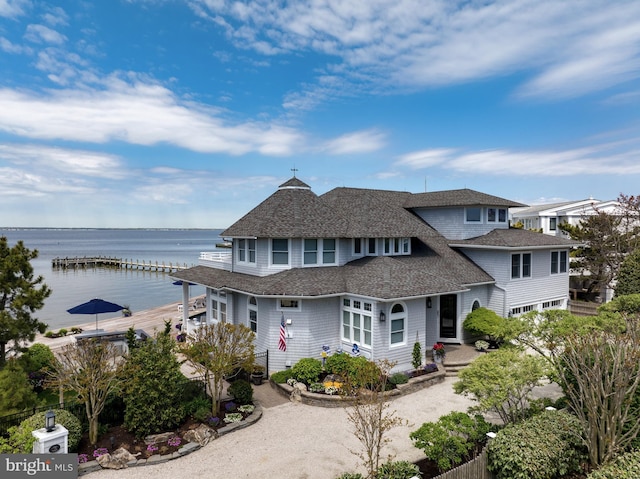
95 306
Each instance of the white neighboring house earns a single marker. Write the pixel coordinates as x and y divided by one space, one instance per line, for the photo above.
367 271
547 217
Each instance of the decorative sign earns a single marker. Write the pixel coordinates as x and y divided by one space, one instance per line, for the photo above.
355 350
54 448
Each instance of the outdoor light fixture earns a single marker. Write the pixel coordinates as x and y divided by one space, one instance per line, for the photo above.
50 420
428 302
383 317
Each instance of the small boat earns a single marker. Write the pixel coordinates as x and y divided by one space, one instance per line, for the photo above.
225 244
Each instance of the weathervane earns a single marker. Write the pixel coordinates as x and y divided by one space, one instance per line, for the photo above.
294 169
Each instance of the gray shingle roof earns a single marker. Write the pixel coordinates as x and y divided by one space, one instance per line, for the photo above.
463 197
380 277
515 238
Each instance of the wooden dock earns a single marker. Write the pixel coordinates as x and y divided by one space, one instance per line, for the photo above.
110 262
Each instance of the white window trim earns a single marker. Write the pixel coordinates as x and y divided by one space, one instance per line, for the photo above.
566 262
399 242
279 306
480 221
320 252
397 317
520 276
280 265
375 247
247 252
252 307
363 243
497 220
362 311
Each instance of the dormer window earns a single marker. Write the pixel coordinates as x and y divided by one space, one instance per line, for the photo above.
473 215
496 215
394 246
319 251
246 250
280 251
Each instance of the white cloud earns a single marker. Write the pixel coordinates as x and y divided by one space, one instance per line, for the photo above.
42 34
7 46
13 8
137 111
364 141
62 160
566 48
606 158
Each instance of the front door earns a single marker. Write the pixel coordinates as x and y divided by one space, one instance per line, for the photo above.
448 316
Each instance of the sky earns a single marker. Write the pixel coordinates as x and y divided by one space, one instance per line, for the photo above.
189 113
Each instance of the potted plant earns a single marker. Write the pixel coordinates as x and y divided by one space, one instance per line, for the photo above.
438 352
257 374
482 345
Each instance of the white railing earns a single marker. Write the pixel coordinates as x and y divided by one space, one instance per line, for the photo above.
216 259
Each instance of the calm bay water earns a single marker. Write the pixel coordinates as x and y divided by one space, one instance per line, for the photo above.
137 289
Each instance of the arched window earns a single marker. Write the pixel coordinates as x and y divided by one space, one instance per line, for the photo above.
476 305
398 321
252 307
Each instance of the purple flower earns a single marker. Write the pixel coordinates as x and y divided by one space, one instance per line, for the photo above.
214 421
174 441
82 458
152 448
100 452
230 406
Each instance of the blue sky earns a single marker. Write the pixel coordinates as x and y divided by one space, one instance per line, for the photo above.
167 113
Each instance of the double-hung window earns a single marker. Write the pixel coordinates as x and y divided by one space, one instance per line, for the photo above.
520 265
252 307
558 262
553 222
319 251
246 250
280 251
356 321
398 321
496 215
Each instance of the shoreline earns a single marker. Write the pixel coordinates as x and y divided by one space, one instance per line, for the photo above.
149 320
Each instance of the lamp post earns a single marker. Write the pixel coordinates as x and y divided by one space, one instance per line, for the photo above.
49 420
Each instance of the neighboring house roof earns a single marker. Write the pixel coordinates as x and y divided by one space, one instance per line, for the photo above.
514 238
553 208
463 197
379 277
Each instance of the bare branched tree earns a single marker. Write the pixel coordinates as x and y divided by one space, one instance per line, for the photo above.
216 351
370 412
88 367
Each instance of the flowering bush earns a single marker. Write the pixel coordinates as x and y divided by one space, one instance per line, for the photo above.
174 441
233 417
246 408
152 448
438 350
82 458
481 345
291 382
230 406
431 367
100 452
214 421
331 390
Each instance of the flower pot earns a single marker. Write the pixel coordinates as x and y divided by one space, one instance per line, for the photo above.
256 378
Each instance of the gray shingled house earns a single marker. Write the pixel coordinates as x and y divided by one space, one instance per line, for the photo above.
375 269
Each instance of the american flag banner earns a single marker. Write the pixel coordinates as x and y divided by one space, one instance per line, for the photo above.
282 342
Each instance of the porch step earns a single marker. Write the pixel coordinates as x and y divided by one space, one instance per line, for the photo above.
453 368
458 356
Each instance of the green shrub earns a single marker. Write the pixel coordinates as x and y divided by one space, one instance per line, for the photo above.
398 378
398 470
64 418
452 440
18 441
192 390
62 332
350 475
625 466
416 355
36 358
281 377
545 446
241 391
316 387
482 322
338 364
49 334
307 370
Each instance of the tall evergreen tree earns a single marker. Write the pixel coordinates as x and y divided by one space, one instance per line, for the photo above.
20 296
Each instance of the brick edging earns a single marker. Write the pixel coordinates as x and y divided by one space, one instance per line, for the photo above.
188 448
